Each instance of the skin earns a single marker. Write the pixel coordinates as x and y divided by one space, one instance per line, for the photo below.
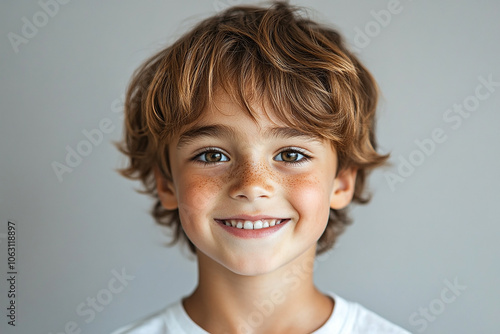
259 285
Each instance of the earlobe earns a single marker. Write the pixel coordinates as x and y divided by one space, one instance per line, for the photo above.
343 188
165 189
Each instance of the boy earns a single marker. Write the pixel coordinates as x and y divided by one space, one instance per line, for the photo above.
253 132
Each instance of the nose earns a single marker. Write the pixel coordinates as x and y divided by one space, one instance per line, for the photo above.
251 182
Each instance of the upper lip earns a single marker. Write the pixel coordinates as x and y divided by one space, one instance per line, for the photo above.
250 218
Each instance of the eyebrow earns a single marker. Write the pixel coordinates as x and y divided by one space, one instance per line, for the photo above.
217 131
224 131
285 133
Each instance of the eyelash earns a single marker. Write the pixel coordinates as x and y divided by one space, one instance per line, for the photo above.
304 158
205 151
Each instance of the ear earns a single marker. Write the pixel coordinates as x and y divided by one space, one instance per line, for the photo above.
343 188
166 191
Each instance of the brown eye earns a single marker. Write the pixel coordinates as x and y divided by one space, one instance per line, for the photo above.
289 156
292 156
214 157
211 157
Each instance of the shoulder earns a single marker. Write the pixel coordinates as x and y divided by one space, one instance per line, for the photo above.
352 318
168 320
370 322
154 323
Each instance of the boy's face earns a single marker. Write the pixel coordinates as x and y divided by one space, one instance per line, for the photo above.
227 168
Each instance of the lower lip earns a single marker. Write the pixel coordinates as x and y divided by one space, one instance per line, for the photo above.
248 234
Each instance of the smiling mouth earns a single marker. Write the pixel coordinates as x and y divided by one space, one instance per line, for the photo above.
251 225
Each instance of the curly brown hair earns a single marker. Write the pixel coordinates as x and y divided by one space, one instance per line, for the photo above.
302 68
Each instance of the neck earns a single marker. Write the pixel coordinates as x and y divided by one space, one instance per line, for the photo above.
283 301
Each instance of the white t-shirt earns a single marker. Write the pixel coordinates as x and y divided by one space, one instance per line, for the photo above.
347 318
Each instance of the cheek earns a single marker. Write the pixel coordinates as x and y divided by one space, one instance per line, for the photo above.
308 189
197 195
310 197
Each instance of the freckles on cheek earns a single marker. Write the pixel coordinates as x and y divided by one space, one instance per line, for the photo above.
307 189
197 196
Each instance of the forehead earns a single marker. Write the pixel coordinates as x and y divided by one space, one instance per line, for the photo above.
227 108
226 118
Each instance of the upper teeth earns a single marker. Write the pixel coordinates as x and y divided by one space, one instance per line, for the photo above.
252 225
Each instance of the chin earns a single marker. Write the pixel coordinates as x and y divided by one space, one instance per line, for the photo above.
250 269
253 265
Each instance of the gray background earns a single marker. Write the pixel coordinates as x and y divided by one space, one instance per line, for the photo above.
439 224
